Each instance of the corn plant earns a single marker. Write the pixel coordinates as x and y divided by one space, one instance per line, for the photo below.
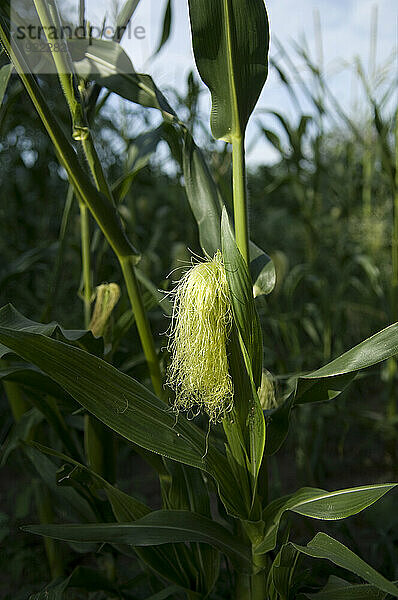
209 420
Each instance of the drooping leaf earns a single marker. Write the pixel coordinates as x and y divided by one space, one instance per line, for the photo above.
10 317
330 381
158 527
125 406
327 382
67 498
230 40
326 547
165 560
106 63
319 504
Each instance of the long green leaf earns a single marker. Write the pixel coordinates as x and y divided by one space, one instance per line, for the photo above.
159 527
230 39
10 317
164 560
125 406
206 205
319 504
330 380
326 547
378 347
248 326
106 63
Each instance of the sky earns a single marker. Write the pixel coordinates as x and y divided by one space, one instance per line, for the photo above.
344 34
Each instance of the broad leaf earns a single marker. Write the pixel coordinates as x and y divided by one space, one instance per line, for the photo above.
126 406
106 63
206 205
163 560
319 504
159 527
67 498
329 381
230 40
10 317
324 546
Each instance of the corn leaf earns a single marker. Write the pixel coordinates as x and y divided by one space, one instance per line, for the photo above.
157 528
166 560
319 504
326 547
230 40
106 63
166 27
125 406
331 380
206 205
10 317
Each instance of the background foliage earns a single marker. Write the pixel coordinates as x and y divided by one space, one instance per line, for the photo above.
325 212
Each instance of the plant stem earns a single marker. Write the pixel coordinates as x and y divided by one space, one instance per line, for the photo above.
240 196
250 587
100 205
85 249
142 322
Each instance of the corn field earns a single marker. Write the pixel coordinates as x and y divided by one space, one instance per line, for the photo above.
198 376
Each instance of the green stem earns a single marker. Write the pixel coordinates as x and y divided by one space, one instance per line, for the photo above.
250 587
85 249
142 322
99 204
50 19
240 196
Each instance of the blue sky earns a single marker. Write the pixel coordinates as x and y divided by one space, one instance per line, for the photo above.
345 34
